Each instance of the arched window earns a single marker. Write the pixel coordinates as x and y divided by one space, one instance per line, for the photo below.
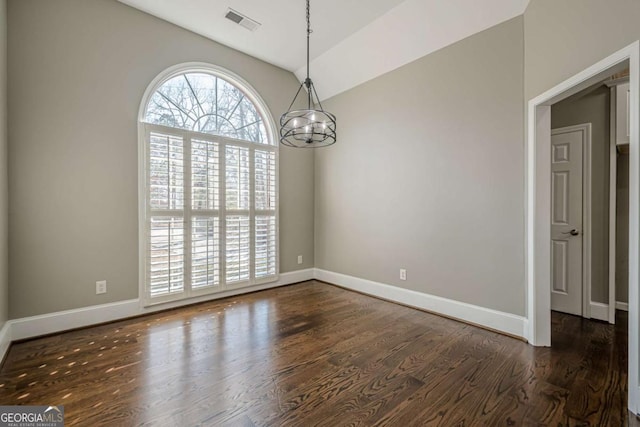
210 175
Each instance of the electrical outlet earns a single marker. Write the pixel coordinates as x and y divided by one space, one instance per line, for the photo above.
101 287
403 274
299 259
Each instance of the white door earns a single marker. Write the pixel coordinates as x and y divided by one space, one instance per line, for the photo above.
566 220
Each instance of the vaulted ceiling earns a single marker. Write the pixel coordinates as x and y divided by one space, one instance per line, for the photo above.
353 40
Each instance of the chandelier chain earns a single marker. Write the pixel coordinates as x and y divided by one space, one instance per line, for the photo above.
308 81
310 127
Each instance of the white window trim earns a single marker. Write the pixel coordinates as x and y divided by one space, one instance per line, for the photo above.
143 209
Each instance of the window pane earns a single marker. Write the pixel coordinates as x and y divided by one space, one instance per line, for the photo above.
205 253
166 172
205 176
246 120
265 180
166 256
206 103
238 248
174 104
203 230
237 178
265 246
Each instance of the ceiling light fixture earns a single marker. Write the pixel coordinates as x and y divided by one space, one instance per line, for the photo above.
311 127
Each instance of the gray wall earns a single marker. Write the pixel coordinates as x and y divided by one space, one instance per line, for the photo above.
622 229
592 106
4 241
564 37
428 175
77 73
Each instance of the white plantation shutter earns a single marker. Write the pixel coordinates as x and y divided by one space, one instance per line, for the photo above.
205 175
166 255
237 178
210 188
205 252
265 246
166 172
238 227
238 250
265 179
166 229
265 196
205 222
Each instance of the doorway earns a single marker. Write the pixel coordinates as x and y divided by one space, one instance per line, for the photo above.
538 232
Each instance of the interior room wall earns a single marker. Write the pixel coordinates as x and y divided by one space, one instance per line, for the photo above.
592 106
563 38
429 175
445 201
622 229
4 241
77 73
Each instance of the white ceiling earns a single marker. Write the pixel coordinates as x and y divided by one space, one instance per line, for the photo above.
353 40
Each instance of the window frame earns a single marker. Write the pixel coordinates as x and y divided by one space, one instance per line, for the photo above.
144 210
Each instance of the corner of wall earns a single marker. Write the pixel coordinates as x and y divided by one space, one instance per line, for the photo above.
4 241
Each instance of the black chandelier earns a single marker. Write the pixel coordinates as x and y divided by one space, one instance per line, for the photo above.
311 127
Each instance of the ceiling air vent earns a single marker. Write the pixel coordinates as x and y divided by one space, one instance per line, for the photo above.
242 20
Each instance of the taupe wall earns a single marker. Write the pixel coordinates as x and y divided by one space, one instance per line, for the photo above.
622 229
592 106
77 73
428 175
564 37
4 242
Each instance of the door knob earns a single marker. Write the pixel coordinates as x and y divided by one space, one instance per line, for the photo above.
573 232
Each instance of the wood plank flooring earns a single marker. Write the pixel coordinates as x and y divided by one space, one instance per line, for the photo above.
315 354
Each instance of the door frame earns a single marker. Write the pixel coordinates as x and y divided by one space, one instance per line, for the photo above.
538 201
613 196
585 128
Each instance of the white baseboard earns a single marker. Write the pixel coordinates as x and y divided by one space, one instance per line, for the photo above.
600 311
504 322
624 306
508 323
29 327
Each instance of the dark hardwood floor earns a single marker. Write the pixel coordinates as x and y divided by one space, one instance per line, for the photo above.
315 354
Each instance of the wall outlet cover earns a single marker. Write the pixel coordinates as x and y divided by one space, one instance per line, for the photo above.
101 287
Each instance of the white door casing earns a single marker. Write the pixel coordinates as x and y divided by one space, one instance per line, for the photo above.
566 220
538 202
